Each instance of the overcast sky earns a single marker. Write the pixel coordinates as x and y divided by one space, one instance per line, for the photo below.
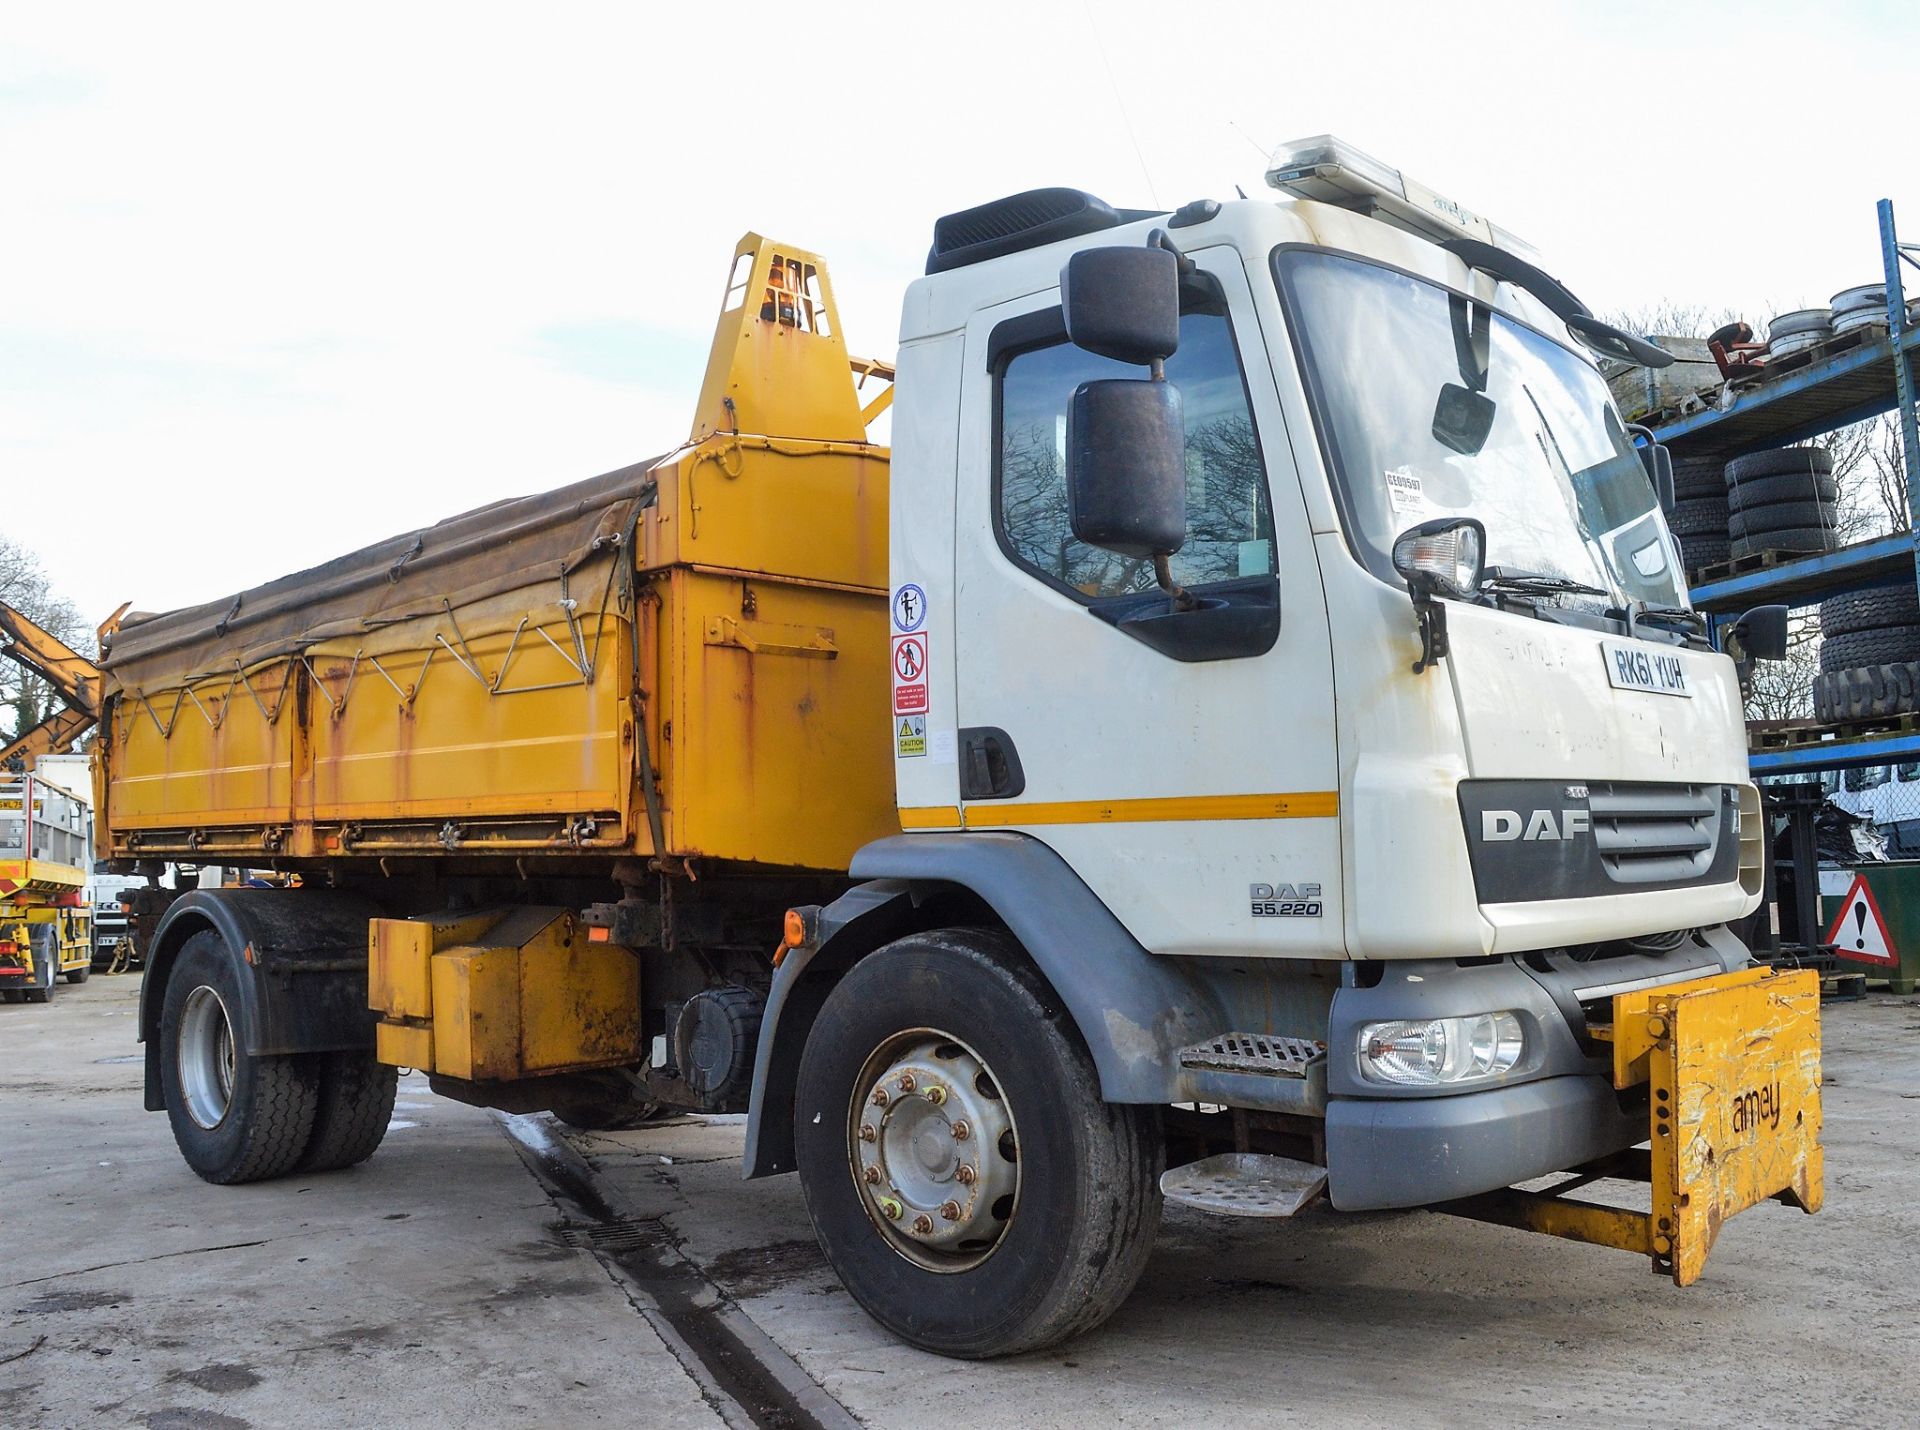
279 281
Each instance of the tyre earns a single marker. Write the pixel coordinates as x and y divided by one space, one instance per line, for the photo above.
81 974
46 961
1780 462
964 1178
1765 491
1889 645
1807 539
236 1118
1698 552
607 1114
351 1110
1699 517
1780 516
1868 692
11 995
1868 610
1699 477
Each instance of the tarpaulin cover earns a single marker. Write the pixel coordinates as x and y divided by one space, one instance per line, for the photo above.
507 546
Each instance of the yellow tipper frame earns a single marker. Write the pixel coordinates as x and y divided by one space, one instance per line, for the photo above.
1732 1065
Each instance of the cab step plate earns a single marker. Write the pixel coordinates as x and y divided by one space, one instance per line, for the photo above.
1244 1184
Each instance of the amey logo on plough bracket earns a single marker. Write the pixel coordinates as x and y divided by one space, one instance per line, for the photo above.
1503 824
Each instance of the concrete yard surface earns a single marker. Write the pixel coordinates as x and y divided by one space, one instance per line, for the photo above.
433 1286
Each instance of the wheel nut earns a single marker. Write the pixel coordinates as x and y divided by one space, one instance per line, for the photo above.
961 1132
867 1134
872 1174
965 1175
891 1208
879 1097
923 1224
950 1211
907 1083
936 1094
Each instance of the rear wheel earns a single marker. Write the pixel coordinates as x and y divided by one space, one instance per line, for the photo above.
236 1118
966 1181
352 1108
46 962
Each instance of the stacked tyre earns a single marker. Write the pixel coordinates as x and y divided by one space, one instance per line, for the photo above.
1783 500
1869 654
1700 513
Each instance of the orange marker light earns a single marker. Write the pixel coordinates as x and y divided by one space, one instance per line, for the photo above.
796 931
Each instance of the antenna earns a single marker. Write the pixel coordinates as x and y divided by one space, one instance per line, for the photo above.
1265 150
1120 101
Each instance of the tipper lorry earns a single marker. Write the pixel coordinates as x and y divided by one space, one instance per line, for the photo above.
1246 742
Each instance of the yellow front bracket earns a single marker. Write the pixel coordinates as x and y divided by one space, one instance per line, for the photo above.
1732 1068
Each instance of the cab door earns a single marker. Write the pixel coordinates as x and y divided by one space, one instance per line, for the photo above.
1191 783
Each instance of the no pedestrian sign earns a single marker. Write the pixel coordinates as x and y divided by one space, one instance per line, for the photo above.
1858 932
910 674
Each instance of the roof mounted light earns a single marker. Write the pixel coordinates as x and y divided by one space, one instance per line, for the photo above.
1334 172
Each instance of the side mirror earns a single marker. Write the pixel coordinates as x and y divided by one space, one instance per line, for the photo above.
1761 634
1123 303
1127 466
1659 464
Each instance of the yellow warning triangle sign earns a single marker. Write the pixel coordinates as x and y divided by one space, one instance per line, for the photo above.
1858 932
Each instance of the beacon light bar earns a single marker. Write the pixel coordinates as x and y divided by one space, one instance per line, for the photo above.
1334 172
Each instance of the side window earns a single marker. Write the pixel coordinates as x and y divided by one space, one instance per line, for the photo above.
1229 515
1866 777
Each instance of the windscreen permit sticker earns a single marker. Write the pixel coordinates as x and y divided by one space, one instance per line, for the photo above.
1406 491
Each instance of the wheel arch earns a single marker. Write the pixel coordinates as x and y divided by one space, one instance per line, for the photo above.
1133 1011
302 959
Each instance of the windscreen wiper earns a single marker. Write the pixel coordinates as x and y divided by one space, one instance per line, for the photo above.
1508 578
1665 618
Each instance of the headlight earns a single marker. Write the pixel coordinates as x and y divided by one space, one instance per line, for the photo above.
1437 1051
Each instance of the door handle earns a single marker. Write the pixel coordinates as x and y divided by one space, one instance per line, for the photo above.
989 764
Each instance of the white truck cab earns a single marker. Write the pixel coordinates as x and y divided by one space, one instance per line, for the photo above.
1299 814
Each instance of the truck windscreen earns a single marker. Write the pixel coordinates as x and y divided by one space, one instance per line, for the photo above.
1555 481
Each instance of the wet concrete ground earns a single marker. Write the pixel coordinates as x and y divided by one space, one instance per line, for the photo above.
431 1286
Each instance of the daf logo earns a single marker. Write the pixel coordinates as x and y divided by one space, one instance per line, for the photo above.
1503 824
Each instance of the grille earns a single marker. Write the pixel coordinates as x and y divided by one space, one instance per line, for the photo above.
1254 1053
611 1236
1650 834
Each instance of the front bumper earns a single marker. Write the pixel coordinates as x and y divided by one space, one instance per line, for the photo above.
1559 1108
1411 1152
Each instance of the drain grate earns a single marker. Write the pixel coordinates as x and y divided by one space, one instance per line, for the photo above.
610 1235
1254 1053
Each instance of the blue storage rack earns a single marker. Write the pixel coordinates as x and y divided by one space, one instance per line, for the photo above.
1873 377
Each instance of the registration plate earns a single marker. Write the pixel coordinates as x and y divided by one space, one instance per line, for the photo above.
1633 666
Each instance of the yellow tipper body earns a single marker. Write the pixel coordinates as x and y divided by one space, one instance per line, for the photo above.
684 657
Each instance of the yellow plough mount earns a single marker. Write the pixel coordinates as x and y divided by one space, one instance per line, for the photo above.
1732 1066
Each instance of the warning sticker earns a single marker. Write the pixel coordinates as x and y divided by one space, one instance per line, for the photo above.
1406 491
909 607
909 736
910 674
1858 932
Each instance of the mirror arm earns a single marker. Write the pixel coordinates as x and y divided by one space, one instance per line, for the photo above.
1433 629
1159 239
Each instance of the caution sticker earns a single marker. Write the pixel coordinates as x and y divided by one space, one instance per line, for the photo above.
909 736
1858 932
910 674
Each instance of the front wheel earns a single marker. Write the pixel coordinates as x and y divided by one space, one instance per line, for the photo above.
236 1117
966 1181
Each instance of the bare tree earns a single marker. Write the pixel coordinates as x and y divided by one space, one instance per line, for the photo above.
25 699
